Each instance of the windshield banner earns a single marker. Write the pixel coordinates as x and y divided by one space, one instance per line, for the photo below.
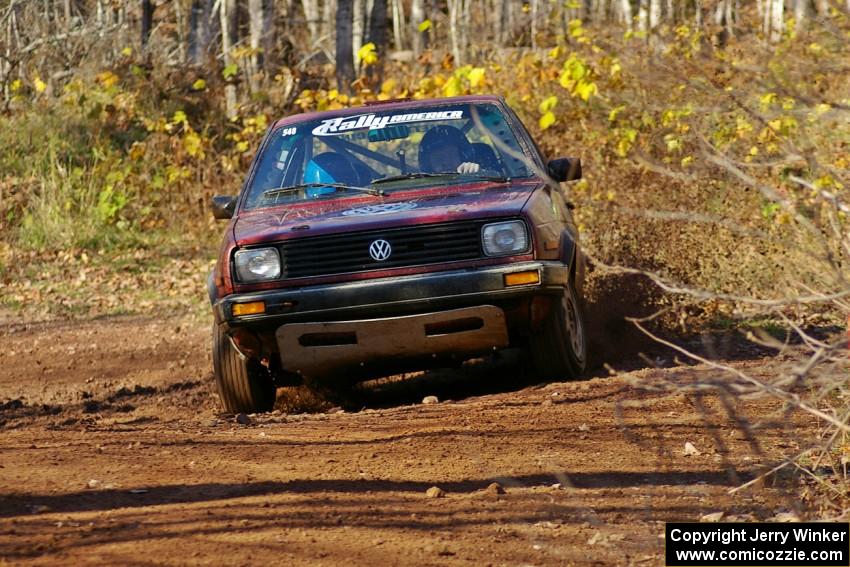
343 124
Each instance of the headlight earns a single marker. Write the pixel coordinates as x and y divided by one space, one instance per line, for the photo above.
504 238
257 265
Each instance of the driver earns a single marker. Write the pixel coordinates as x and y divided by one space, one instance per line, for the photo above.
445 149
328 167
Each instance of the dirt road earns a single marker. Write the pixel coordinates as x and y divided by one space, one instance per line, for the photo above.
113 452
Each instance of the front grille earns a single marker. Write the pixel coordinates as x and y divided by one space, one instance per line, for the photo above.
411 246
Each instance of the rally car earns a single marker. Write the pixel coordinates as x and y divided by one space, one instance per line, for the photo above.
392 237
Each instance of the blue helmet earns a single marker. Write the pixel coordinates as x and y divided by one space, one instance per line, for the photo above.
329 167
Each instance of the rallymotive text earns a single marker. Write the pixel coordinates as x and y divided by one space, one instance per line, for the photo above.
763 544
341 124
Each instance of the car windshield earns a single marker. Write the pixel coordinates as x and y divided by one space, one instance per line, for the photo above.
380 152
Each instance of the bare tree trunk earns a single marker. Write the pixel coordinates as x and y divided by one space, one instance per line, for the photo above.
328 22
654 14
773 22
378 36
729 16
227 12
268 40
765 17
66 9
147 21
535 9
510 24
643 16
344 53
600 10
399 25
311 14
498 21
466 26
417 16
358 26
203 27
255 30
454 31
181 30
260 23
626 13
6 63
698 14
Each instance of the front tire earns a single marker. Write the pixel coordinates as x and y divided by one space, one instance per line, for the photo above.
559 347
244 385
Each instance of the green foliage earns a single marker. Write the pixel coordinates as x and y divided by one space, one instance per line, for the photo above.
230 71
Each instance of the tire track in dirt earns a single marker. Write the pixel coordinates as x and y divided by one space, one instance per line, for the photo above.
132 463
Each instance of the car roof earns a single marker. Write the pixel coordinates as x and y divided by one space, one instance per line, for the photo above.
397 104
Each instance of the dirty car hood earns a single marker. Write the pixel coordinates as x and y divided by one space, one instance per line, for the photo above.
400 208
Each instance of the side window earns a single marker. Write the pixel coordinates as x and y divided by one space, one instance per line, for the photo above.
496 146
280 165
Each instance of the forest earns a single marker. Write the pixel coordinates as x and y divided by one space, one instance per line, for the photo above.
716 131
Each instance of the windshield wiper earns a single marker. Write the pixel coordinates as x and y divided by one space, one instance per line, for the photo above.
415 175
300 186
421 174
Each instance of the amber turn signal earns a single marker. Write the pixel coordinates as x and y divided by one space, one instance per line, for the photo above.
253 308
522 278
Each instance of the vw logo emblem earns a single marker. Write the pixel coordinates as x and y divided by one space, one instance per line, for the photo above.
380 250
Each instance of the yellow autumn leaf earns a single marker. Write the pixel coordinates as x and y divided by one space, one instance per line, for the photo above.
476 76
547 120
192 144
616 68
367 55
612 116
16 85
199 85
822 108
39 85
388 86
107 79
585 90
548 104
453 87
127 51
179 117
425 26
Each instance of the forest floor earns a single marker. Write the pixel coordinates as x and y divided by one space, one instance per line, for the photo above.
115 452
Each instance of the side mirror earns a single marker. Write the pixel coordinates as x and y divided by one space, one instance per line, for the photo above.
565 169
223 206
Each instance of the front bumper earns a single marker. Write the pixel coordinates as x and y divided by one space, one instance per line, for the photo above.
370 346
392 296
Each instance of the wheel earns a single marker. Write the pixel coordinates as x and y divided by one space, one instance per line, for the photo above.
244 385
559 347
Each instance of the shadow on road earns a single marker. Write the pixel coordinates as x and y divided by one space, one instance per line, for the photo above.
98 500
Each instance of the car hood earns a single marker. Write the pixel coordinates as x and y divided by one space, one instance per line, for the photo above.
366 212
